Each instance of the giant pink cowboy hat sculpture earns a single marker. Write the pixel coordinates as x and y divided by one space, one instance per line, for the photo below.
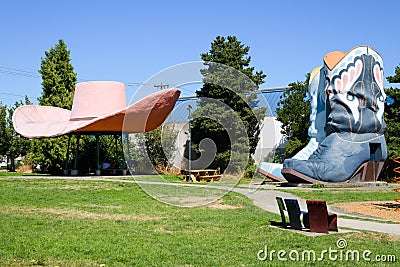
98 106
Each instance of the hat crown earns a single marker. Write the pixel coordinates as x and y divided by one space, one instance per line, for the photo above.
97 98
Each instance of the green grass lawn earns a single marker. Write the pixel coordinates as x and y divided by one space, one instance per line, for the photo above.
4 173
96 223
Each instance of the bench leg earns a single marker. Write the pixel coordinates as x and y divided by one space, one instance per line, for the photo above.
306 220
332 222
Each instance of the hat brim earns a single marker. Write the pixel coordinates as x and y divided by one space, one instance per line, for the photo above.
145 115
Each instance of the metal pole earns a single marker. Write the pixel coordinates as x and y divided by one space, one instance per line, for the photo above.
122 155
190 148
76 152
116 137
98 167
67 156
128 151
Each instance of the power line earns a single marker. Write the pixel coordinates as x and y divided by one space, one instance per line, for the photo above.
30 74
134 84
161 86
10 101
18 72
8 97
8 94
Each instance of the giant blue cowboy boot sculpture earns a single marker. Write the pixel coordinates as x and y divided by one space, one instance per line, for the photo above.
354 148
316 131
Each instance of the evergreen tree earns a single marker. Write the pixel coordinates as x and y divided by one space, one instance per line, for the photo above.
58 85
396 77
392 114
58 77
222 82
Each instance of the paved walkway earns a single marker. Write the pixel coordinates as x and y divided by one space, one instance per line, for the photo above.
264 198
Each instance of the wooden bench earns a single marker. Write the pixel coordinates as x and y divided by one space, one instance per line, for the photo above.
320 220
294 212
208 175
209 178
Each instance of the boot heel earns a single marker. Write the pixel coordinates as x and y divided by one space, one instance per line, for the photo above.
361 173
369 171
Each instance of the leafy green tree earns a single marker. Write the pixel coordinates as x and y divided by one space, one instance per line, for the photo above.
294 113
151 150
396 77
160 146
4 138
12 144
58 85
223 84
392 115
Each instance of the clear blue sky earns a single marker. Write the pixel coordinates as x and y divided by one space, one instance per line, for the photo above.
129 41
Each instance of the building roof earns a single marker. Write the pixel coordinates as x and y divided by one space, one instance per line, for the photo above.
271 96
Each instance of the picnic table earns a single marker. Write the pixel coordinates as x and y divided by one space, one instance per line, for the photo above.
206 175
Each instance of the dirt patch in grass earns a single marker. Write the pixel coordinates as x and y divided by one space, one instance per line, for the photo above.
97 206
73 213
388 210
220 205
206 202
92 187
25 169
189 201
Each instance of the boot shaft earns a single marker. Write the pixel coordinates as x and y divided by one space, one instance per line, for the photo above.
355 94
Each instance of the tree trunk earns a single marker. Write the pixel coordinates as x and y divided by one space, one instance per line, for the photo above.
12 164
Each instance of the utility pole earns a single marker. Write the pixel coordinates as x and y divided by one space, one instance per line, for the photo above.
161 86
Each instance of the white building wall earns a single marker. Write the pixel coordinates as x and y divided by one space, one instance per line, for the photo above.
270 139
